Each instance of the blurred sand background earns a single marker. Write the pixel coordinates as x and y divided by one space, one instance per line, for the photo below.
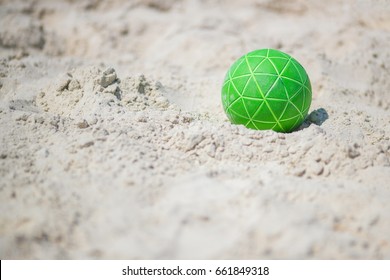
114 144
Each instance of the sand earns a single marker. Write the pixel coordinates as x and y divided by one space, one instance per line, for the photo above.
114 143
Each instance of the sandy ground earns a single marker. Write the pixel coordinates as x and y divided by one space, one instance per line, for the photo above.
114 144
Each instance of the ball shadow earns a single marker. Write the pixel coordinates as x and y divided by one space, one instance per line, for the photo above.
317 117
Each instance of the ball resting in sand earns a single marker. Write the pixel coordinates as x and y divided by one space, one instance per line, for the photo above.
267 89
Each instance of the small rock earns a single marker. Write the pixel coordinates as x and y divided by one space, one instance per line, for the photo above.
73 85
268 149
162 102
63 83
54 121
293 149
83 124
352 151
143 84
23 117
316 168
193 141
142 118
246 142
307 146
284 154
39 119
187 118
212 149
108 77
299 172
87 144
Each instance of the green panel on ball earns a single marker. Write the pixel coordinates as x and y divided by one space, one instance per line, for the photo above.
265 67
275 53
251 90
264 83
280 63
251 106
267 89
238 107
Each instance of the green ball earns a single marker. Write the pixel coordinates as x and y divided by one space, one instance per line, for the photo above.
267 89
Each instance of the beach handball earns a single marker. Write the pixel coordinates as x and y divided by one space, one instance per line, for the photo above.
267 89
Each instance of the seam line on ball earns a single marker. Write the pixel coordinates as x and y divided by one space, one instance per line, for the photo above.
276 80
258 65
234 101
261 92
287 95
303 82
255 74
295 81
235 70
240 94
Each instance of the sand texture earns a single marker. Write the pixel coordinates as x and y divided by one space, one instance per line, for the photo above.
114 143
